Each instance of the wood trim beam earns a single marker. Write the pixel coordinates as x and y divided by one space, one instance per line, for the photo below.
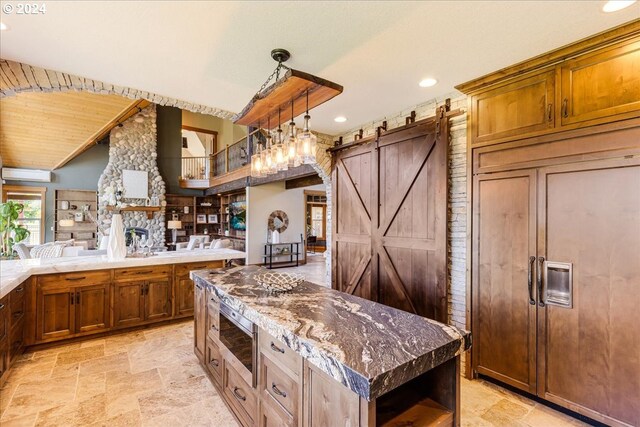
355 278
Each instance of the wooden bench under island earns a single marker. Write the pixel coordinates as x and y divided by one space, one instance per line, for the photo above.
317 357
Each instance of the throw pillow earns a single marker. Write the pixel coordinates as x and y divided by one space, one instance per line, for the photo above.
22 250
223 244
193 244
213 244
69 242
48 250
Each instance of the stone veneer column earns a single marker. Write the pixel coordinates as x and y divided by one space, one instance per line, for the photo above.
133 147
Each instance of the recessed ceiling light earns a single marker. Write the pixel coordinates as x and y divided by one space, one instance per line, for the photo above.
616 5
3 26
340 119
428 82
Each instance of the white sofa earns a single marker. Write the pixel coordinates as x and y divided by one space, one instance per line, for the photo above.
202 242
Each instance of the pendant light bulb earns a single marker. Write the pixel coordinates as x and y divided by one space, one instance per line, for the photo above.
307 141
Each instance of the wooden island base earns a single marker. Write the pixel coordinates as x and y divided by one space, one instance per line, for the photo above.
288 390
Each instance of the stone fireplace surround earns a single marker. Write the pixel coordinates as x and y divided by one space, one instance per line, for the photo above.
133 146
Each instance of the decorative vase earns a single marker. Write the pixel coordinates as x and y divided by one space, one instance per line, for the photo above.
117 246
275 237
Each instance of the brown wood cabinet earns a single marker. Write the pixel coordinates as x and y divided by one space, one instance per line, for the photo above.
555 209
142 295
13 313
200 322
129 303
590 82
573 219
69 305
603 85
184 285
524 106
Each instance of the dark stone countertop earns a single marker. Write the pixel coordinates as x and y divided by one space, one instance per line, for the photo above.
368 347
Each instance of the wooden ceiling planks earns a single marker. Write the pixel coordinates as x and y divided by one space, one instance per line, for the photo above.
292 86
46 130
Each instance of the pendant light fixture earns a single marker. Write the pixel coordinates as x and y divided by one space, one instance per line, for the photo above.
291 144
267 154
279 151
307 141
257 169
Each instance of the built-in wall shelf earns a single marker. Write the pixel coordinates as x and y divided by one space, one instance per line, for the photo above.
149 210
76 201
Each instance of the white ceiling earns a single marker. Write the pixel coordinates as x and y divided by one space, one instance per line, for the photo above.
217 53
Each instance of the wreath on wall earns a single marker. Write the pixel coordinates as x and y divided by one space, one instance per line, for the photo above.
278 220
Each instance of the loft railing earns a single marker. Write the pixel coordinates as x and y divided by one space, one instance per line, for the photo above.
229 159
196 167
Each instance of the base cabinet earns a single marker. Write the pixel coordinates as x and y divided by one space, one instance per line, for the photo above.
291 392
13 312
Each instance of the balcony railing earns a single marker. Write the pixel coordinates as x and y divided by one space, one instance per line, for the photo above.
196 167
230 158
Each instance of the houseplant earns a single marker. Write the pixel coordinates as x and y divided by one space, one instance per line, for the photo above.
10 231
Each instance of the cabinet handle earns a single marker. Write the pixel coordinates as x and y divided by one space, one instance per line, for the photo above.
532 260
215 362
565 108
277 390
541 264
198 286
145 289
215 328
73 298
20 289
78 298
549 113
71 279
238 395
276 348
1 306
145 272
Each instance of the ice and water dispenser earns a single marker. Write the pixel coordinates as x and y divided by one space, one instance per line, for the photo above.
559 283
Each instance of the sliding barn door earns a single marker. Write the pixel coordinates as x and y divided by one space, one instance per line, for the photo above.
390 210
353 198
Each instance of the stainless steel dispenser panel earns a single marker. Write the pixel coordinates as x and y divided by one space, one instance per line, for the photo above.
558 278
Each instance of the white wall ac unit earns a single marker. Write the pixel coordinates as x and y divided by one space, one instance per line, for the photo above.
14 174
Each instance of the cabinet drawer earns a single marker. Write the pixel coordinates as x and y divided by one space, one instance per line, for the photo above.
16 344
283 388
280 353
18 305
184 269
5 308
138 273
271 415
214 360
240 394
73 279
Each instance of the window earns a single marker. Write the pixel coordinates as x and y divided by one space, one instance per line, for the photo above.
33 199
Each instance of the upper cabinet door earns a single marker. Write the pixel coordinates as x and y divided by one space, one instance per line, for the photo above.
601 85
522 107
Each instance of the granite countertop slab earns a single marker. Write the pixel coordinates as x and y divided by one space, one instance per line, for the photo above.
368 347
14 272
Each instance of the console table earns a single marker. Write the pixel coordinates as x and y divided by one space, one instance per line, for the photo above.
293 250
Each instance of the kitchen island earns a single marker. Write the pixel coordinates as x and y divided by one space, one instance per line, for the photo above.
43 301
322 357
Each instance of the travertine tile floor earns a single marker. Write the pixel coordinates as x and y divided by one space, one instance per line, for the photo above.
152 378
